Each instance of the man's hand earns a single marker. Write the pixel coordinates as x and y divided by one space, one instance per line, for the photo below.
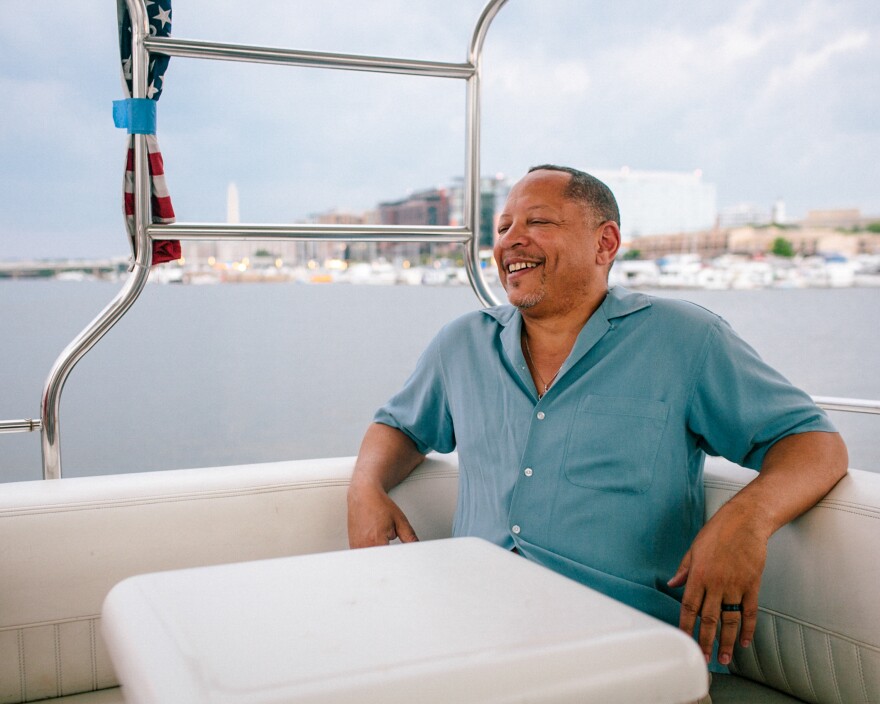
726 560
386 458
723 566
374 519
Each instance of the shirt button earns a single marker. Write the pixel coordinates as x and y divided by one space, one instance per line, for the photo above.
515 530
540 415
528 471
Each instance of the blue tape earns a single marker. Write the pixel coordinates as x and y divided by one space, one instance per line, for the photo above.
137 115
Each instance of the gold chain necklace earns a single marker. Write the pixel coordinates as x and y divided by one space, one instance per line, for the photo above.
546 384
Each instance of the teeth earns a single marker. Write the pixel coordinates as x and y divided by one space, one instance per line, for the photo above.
520 265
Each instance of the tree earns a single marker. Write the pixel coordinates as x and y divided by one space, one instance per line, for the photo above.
632 254
782 247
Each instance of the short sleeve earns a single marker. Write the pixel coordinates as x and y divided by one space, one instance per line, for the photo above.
740 406
421 409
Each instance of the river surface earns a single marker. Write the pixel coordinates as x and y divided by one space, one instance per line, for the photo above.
230 374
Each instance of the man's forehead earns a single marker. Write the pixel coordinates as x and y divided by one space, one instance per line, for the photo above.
539 190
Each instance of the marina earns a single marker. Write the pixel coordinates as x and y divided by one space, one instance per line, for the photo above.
670 271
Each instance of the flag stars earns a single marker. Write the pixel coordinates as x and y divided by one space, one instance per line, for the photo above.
163 16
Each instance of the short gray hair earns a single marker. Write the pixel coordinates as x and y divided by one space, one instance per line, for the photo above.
589 190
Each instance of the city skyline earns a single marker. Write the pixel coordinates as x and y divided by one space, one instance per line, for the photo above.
768 100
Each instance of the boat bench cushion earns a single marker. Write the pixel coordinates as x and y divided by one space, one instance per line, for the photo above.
100 696
732 689
65 543
818 633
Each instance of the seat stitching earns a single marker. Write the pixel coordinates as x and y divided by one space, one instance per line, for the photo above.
53 622
868 511
831 668
199 495
806 661
758 665
779 655
22 671
94 655
59 684
862 676
820 629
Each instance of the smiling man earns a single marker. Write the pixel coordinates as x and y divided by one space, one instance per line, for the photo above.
582 417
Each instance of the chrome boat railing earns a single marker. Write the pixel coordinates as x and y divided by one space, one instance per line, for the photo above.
145 232
829 403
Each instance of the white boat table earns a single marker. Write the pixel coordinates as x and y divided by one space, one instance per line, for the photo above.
446 621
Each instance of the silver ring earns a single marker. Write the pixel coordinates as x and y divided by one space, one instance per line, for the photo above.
731 607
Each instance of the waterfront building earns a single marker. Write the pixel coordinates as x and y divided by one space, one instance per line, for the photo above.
744 215
756 241
659 202
839 217
427 207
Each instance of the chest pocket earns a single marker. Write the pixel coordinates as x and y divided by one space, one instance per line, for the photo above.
613 443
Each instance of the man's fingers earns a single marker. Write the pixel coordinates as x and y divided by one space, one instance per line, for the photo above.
709 619
691 603
374 519
404 530
681 574
730 623
749 619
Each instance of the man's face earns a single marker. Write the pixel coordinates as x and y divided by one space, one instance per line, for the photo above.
546 250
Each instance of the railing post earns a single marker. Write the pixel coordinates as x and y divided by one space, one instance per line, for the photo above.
50 405
472 179
140 268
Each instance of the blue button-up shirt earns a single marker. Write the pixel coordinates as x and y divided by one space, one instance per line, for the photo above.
601 478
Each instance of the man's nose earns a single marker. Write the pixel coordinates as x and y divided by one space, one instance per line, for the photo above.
516 233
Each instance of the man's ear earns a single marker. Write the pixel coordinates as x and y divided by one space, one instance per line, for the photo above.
608 242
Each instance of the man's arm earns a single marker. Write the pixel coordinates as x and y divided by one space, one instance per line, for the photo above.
387 457
726 560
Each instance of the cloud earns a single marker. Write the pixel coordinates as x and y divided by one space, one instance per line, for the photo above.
805 65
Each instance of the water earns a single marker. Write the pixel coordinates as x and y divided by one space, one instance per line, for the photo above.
212 375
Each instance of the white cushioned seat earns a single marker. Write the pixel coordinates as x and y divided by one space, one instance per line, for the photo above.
64 544
818 633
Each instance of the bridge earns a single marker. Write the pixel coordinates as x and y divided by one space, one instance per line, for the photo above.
47 268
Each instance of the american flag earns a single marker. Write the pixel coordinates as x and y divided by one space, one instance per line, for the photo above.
162 212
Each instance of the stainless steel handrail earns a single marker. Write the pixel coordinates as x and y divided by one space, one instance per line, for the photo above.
473 187
142 44
50 405
845 405
194 49
346 233
25 425
848 405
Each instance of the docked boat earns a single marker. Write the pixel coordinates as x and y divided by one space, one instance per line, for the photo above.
234 584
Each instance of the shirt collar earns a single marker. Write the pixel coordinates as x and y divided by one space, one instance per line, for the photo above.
618 303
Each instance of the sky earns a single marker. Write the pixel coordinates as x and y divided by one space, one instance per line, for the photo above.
768 98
